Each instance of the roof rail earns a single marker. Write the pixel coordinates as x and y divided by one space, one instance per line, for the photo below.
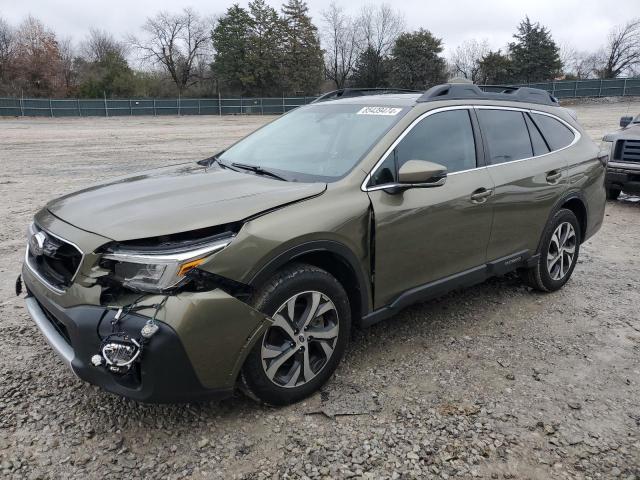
359 92
458 91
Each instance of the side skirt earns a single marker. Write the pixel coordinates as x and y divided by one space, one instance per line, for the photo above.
438 288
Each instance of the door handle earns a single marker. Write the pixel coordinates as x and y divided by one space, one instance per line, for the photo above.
481 194
553 176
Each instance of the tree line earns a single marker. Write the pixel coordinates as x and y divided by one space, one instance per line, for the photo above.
261 51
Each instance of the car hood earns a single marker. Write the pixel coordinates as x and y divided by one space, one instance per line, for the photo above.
174 200
630 132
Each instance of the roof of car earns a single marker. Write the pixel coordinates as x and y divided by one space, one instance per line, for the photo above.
467 92
395 99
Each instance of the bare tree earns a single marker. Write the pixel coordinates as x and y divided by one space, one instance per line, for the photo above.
177 42
7 47
465 59
379 27
569 58
339 34
67 57
577 64
99 44
37 59
621 55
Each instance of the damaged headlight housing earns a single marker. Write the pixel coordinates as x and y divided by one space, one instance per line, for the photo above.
160 270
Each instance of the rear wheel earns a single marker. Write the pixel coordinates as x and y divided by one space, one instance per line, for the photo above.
613 193
558 253
304 344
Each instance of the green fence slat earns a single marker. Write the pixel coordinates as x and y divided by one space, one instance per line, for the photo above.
236 105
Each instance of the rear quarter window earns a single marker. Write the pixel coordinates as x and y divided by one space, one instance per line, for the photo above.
556 133
538 143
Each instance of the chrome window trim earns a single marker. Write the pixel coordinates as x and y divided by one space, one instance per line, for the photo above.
576 138
437 183
576 134
366 180
34 271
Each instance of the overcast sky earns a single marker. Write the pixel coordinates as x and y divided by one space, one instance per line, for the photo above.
581 23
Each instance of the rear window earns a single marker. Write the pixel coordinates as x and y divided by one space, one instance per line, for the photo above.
507 135
557 134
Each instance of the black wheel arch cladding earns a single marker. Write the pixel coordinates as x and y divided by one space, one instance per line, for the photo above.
332 256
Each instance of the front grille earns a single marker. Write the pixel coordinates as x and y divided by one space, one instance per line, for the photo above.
627 151
57 324
56 261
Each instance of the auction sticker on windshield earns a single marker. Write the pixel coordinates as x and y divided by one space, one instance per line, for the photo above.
379 111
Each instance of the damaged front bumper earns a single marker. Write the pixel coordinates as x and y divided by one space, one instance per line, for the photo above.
197 353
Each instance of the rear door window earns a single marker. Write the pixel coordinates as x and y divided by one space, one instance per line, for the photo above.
506 134
557 134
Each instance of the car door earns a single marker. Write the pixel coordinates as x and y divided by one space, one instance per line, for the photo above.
427 234
529 176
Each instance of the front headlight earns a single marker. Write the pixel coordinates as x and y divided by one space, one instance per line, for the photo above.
606 150
159 271
606 146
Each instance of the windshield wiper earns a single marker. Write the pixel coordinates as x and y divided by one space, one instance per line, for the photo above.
259 170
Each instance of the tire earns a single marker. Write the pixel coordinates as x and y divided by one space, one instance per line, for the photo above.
551 272
276 370
613 193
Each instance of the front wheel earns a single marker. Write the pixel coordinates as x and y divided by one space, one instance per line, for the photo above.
559 251
303 346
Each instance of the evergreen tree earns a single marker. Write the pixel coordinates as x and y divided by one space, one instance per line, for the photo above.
265 49
302 54
371 70
231 38
534 55
495 69
416 61
110 76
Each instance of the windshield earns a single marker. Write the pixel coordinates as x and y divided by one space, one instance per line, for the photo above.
316 142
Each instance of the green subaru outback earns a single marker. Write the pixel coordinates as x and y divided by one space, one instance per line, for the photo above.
250 268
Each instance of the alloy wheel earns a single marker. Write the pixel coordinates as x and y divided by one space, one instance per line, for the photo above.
562 249
301 340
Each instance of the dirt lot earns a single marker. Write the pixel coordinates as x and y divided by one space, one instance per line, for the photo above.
494 382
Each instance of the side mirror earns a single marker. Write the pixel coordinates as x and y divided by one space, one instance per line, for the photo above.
422 174
624 121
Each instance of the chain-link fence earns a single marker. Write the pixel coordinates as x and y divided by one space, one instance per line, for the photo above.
49 107
615 87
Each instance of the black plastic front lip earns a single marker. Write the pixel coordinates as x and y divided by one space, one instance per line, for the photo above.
166 374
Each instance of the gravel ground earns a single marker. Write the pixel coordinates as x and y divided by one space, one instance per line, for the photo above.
495 381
